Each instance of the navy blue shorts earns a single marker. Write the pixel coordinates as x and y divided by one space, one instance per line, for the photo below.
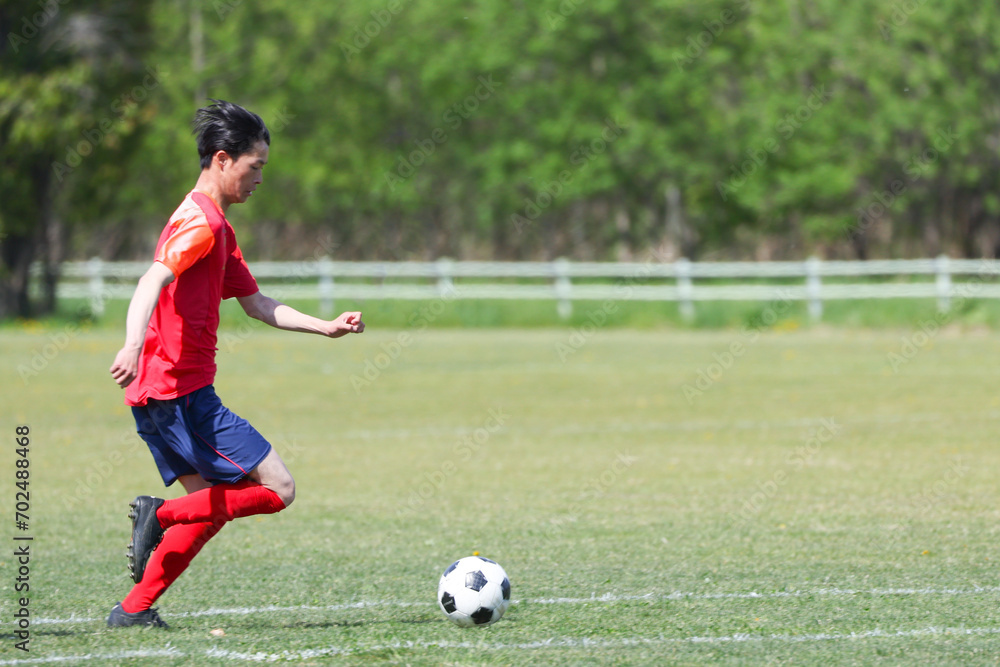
197 434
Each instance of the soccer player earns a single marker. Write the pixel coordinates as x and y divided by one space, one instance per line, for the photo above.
168 367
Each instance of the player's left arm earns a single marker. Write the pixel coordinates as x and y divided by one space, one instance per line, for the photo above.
282 316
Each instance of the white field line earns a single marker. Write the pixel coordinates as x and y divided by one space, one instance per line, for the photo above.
547 643
587 642
607 598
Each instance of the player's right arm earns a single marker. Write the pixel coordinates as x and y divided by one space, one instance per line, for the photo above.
190 240
147 293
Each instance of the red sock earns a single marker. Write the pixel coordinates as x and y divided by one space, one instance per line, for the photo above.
181 543
220 503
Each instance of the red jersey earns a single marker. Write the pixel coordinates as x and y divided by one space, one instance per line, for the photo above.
178 355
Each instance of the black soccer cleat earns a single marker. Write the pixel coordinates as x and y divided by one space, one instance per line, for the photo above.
146 534
119 618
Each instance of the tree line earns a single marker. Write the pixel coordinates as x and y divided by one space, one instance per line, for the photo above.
590 129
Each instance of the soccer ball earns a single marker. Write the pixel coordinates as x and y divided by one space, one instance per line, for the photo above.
474 591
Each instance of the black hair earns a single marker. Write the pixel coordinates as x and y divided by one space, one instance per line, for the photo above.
224 126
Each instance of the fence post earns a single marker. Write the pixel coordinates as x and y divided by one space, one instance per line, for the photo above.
325 287
814 289
96 285
943 283
444 283
685 289
563 287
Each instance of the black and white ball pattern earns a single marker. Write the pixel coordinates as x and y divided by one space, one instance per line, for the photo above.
474 591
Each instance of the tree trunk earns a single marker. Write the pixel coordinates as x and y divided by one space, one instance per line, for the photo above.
623 227
859 241
52 246
679 236
18 252
931 233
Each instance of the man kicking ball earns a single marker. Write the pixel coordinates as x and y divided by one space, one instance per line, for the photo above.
168 367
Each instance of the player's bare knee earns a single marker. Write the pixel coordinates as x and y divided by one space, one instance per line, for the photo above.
273 474
284 487
287 492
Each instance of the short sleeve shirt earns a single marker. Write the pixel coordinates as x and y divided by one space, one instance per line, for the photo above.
199 246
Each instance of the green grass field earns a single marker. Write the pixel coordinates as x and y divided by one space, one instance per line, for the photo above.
822 496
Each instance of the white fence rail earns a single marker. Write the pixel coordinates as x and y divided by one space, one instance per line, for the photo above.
563 281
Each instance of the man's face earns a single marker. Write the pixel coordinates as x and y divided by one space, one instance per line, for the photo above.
242 176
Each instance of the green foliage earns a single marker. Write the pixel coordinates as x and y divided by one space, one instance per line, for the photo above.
585 128
72 87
